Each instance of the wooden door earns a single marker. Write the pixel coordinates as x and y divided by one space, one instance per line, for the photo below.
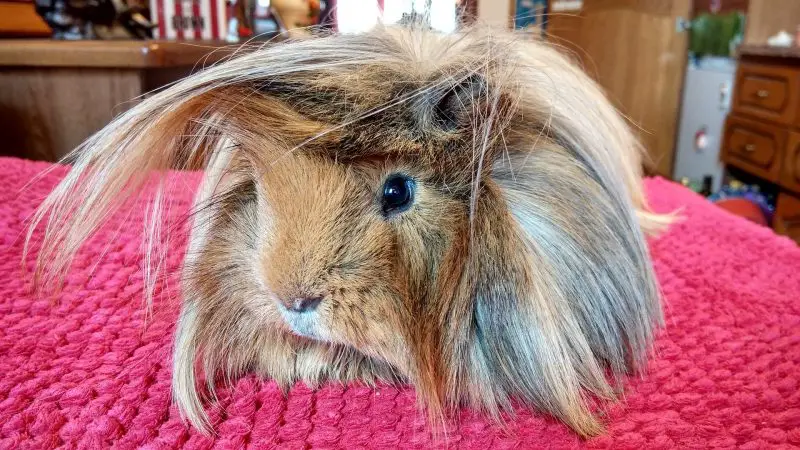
767 17
635 50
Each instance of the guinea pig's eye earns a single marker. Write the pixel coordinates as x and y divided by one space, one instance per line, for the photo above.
398 194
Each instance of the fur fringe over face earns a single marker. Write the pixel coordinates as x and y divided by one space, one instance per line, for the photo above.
460 212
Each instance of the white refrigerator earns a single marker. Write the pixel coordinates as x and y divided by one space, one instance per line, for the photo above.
707 92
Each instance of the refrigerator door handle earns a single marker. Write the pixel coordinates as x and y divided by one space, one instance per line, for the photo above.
724 96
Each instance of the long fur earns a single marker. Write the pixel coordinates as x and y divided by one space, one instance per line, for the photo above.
521 272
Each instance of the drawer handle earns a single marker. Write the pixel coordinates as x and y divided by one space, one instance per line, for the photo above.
762 93
749 148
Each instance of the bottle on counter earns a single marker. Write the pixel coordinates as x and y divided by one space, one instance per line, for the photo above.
705 190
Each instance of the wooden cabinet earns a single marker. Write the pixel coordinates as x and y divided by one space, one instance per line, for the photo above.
762 133
787 216
754 146
55 94
767 92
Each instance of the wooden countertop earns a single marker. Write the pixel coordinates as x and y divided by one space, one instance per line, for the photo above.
116 54
769 51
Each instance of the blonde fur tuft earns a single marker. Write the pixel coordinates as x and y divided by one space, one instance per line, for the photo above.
520 270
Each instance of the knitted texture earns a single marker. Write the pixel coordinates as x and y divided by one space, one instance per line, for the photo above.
89 369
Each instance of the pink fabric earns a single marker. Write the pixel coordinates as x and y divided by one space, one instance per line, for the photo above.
88 372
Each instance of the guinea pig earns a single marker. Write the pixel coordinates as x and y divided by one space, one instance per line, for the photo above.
460 212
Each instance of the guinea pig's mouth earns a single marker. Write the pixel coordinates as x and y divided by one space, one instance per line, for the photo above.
305 324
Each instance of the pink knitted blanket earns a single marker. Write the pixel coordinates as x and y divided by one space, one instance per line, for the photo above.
88 371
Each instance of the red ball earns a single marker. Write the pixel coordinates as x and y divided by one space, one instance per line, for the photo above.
744 208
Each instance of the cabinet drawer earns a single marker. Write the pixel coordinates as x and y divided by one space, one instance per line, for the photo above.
790 169
754 146
767 92
787 217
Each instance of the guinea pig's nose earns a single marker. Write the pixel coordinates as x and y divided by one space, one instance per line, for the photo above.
302 304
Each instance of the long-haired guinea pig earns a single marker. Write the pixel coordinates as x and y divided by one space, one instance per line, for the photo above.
463 213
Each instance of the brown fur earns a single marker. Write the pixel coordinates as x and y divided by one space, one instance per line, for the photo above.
520 271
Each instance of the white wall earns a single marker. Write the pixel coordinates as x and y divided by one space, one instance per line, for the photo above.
495 12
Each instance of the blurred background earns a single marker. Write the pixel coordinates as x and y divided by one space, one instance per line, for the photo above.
711 86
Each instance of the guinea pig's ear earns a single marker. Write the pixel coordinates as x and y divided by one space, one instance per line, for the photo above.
451 106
